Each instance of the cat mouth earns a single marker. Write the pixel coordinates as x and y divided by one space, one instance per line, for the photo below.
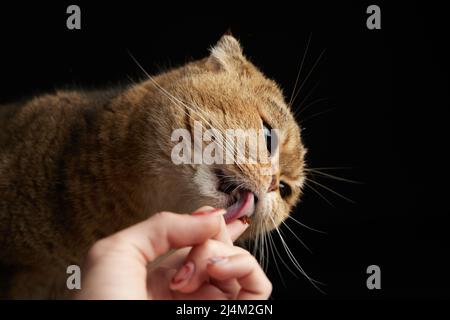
241 204
243 207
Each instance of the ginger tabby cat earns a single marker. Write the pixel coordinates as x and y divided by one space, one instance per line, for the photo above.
76 166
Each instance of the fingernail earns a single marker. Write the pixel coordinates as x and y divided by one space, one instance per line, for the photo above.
218 260
207 213
183 275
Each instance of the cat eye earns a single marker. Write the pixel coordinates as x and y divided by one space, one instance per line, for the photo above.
268 136
285 189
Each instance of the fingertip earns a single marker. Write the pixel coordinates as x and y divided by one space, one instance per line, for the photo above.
182 277
172 230
207 225
236 229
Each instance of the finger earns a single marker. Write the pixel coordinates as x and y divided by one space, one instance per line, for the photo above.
243 267
192 275
176 258
155 236
236 228
232 232
223 235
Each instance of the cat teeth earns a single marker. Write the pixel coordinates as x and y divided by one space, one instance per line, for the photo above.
246 219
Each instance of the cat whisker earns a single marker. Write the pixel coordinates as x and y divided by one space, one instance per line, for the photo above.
291 100
309 73
176 99
294 260
305 226
261 249
287 249
238 186
270 245
330 168
228 147
286 265
331 176
311 91
319 194
266 247
302 121
330 190
298 112
297 237
256 243
297 109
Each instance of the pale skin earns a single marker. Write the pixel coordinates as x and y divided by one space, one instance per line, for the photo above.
205 265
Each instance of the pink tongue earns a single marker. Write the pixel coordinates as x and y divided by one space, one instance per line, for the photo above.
244 206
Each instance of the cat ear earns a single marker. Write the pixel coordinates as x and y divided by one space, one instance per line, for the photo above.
225 54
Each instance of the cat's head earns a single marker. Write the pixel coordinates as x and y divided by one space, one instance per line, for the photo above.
226 92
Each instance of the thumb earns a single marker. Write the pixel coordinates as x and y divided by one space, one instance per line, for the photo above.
166 230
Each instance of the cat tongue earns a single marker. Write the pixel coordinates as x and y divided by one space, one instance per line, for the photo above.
244 206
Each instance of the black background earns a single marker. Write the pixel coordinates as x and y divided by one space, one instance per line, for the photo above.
380 116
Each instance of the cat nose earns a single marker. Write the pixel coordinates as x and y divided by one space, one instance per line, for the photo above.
273 184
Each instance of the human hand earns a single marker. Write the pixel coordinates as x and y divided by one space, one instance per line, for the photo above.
117 267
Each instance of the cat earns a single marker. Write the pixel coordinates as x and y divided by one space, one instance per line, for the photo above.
76 166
